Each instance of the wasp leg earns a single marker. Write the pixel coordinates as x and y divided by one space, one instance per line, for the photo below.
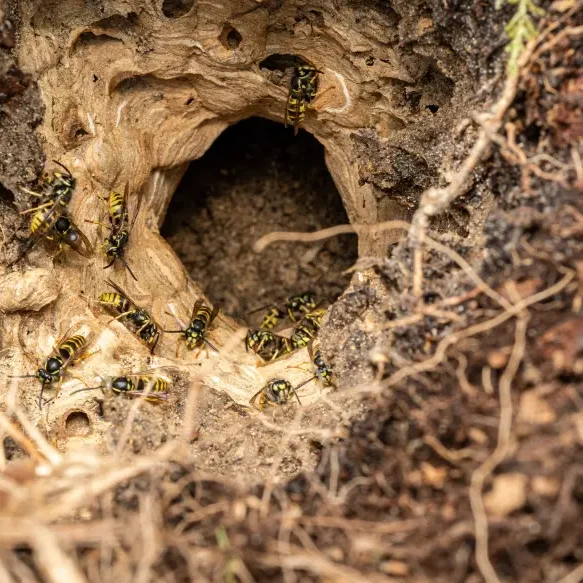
75 376
261 401
60 250
155 344
98 223
31 192
303 367
123 315
58 389
318 94
37 208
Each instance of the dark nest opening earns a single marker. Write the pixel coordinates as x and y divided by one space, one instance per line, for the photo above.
257 178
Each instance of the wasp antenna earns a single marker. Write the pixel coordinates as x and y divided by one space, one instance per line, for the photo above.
172 331
128 268
40 397
209 344
110 264
26 376
85 389
305 382
297 396
64 167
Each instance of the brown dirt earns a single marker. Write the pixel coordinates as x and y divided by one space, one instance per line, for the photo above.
21 155
258 178
377 482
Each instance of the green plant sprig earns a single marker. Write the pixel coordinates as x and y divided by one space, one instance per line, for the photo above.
520 29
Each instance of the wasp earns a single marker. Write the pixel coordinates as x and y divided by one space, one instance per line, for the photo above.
136 319
119 227
323 371
276 392
200 321
43 220
46 223
303 88
307 329
145 384
51 216
67 351
295 307
267 345
56 188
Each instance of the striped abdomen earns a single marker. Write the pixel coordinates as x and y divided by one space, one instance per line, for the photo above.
158 386
296 104
43 220
115 301
307 328
117 209
300 305
72 346
323 371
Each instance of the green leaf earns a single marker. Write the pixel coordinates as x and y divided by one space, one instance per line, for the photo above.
520 29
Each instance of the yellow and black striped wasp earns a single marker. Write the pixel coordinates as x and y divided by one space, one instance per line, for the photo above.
147 384
119 227
136 319
323 372
307 329
276 392
303 88
58 187
56 227
68 350
200 321
51 220
295 307
267 345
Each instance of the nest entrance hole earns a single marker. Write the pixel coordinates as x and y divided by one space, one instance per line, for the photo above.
257 178
77 424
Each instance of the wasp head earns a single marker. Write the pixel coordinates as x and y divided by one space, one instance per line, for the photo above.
278 391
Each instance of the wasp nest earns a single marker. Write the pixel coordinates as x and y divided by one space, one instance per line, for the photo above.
136 90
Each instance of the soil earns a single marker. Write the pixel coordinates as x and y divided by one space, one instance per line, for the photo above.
257 178
21 154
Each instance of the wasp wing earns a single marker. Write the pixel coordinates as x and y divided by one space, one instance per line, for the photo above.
123 293
138 205
75 353
81 243
195 308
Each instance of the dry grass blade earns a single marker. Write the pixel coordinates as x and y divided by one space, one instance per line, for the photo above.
455 337
21 439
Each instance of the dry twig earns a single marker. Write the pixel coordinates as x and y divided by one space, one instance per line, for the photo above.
499 454
435 200
270 238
